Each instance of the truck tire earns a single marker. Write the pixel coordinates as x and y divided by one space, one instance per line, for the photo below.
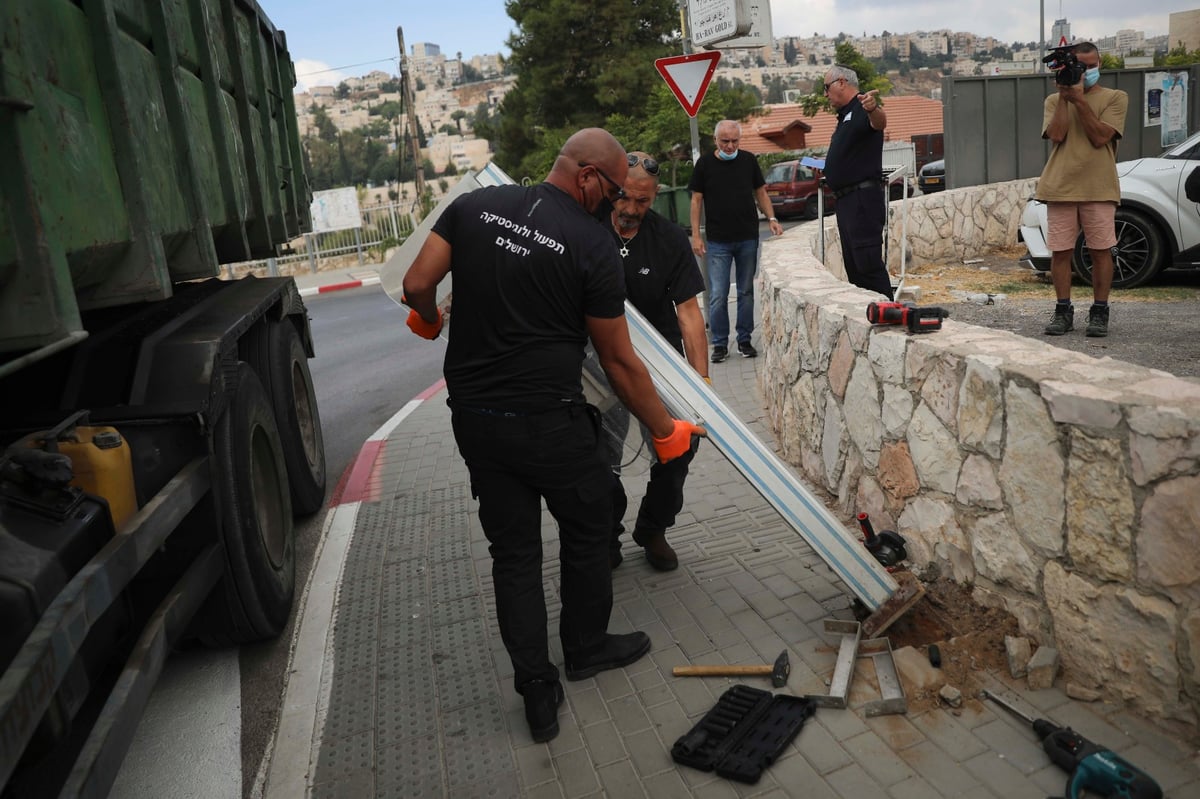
254 598
290 385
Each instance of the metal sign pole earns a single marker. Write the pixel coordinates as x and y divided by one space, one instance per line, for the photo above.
693 126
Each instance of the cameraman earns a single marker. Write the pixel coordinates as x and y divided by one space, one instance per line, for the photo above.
1079 184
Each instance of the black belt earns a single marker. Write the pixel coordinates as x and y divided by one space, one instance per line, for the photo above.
862 184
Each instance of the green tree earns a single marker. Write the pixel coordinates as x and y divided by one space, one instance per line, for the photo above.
577 62
868 79
342 91
458 116
1108 61
326 130
776 86
1178 56
468 74
789 51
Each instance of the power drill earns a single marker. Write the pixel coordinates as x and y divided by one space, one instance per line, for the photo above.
914 317
1091 768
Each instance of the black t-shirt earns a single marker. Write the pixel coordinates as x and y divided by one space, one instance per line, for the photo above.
730 210
856 149
528 264
660 271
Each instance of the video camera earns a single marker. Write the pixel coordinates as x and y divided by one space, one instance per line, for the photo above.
1065 65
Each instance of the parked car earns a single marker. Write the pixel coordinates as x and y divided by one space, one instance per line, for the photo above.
932 177
1158 227
793 187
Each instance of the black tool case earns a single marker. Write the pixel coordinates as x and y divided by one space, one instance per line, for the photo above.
743 733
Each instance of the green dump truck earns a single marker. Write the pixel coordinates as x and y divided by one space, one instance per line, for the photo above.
158 426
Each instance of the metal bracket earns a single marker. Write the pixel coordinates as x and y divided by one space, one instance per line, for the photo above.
843 669
851 648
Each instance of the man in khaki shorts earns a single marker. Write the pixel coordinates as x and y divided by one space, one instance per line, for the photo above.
1080 188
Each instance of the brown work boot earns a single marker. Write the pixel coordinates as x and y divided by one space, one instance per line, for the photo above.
658 552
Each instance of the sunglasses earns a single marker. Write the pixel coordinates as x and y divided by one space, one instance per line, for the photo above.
831 83
620 191
648 164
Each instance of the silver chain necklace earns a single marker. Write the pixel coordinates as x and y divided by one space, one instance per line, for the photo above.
625 242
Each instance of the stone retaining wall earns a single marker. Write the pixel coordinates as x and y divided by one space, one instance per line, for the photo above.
1065 488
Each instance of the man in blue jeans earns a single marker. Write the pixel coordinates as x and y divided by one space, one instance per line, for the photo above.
728 185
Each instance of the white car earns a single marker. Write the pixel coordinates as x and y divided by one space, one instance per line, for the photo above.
1158 227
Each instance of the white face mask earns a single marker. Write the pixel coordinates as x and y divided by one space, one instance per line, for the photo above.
1091 77
724 156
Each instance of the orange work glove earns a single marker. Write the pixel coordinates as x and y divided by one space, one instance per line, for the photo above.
422 328
685 436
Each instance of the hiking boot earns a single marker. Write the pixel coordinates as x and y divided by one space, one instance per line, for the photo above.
658 552
1097 322
1063 322
720 354
746 350
615 652
542 700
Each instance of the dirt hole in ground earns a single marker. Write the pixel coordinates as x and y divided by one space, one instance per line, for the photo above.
969 636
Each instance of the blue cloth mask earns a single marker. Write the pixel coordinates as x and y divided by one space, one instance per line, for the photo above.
1091 77
721 154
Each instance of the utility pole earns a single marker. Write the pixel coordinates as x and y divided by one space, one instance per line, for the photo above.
407 97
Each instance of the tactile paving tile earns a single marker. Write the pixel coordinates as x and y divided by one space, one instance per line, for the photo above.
410 768
450 547
478 760
401 714
499 786
452 579
458 686
407 529
403 579
344 757
410 638
351 706
451 638
467 607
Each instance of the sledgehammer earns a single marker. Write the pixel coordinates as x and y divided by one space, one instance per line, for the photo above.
779 672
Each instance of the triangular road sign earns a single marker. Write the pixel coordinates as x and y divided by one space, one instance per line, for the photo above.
1062 40
688 76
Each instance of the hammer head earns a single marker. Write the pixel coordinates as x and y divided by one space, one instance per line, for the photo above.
782 670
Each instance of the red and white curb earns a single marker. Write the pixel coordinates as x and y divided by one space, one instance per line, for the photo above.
288 762
348 284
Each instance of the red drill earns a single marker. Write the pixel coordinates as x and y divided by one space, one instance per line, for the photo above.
914 317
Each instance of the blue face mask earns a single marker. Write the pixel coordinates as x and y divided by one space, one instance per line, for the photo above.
1091 77
727 156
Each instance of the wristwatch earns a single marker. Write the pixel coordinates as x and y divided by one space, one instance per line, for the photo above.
772 219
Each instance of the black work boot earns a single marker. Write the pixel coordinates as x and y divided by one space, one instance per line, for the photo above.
542 700
658 552
615 651
1097 326
1063 321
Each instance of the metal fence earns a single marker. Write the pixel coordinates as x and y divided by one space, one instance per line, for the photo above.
383 227
993 125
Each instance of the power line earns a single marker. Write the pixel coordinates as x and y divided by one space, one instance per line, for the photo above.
348 66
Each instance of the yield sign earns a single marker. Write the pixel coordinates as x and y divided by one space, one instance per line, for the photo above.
688 76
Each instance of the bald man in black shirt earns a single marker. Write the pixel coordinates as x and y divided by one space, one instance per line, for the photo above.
535 275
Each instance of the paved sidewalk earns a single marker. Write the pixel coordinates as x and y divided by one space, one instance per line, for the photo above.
400 686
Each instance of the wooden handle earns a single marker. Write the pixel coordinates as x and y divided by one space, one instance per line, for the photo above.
720 671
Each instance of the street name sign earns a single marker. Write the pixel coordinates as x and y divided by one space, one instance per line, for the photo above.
713 21
688 76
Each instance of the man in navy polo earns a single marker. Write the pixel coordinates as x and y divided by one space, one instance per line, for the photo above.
854 171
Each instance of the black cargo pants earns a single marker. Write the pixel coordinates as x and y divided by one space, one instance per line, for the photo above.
860 219
514 462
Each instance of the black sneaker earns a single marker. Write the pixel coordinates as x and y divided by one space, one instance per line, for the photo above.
746 350
615 652
720 354
1063 322
1097 322
542 700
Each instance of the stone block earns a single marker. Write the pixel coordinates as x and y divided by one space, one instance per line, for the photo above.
1043 668
1019 651
951 696
1082 692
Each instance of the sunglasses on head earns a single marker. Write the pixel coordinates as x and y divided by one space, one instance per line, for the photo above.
648 164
